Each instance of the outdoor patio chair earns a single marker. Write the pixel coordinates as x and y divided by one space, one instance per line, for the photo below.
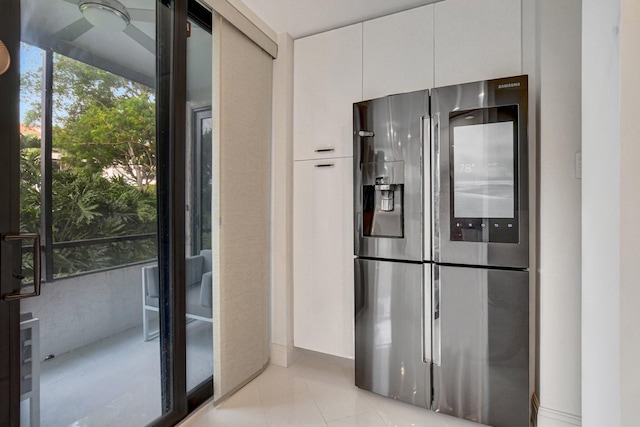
198 292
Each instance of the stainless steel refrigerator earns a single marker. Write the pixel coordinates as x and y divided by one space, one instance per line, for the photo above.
450 333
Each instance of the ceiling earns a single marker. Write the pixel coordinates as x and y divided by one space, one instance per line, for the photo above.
59 25
301 18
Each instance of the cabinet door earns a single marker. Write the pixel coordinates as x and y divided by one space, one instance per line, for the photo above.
477 40
398 53
327 81
323 256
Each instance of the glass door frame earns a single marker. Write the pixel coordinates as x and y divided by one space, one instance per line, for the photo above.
203 17
171 41
9 216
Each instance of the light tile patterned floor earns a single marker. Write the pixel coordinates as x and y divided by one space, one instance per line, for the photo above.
316 390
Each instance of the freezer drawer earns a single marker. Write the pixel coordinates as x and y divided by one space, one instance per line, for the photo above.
389 331
481 345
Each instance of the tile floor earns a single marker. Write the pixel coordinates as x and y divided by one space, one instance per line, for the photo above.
316 390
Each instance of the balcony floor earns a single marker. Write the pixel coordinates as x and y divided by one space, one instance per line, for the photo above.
115 381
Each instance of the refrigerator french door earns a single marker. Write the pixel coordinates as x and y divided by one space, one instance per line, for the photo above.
480 285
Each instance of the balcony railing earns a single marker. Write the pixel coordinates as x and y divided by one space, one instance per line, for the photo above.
49 276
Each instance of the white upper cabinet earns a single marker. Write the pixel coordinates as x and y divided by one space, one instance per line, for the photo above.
477 40
327 81
398 53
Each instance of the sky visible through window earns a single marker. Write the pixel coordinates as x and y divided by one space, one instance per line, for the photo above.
30 61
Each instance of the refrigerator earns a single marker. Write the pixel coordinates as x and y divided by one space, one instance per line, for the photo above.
447 330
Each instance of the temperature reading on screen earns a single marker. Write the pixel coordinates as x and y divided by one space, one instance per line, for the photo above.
466 167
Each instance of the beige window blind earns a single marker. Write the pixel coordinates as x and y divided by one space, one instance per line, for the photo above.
243 163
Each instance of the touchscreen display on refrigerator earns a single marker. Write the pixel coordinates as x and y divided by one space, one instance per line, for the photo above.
484 174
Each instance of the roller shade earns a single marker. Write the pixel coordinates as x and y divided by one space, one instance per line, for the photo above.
241 319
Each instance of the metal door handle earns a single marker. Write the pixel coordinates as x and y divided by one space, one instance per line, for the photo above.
436 319
36 266
435 187
427 317
325 150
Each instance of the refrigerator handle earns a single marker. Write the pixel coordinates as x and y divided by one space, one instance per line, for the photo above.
424 130
435 186
435 311
427 356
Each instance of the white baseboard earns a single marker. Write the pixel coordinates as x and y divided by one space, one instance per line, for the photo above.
282 355
548 417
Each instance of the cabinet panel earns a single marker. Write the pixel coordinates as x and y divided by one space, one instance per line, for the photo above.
477 40
323 256
327 81
398 53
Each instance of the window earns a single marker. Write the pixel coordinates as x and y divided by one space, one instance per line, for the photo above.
89 166
202 179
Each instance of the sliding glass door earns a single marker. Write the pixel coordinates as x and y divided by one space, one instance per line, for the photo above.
199 184
94 315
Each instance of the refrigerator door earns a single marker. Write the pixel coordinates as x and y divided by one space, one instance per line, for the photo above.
388 138
480 173
389 331
481 345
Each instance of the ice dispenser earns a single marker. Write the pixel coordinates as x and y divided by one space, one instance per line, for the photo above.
383 186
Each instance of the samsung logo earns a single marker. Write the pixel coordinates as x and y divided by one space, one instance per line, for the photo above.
507 85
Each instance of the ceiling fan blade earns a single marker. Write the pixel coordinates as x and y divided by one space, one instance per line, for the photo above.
73 30
143 15
141 38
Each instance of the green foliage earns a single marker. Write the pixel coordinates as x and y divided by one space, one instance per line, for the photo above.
103 122
29 189
104 181
88 206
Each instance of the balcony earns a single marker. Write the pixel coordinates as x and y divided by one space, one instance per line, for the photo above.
96 367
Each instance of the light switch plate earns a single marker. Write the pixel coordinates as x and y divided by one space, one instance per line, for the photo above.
579 165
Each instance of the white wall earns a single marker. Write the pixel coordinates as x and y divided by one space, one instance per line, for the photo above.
559 65
629 210
601 213
612 233
282 206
